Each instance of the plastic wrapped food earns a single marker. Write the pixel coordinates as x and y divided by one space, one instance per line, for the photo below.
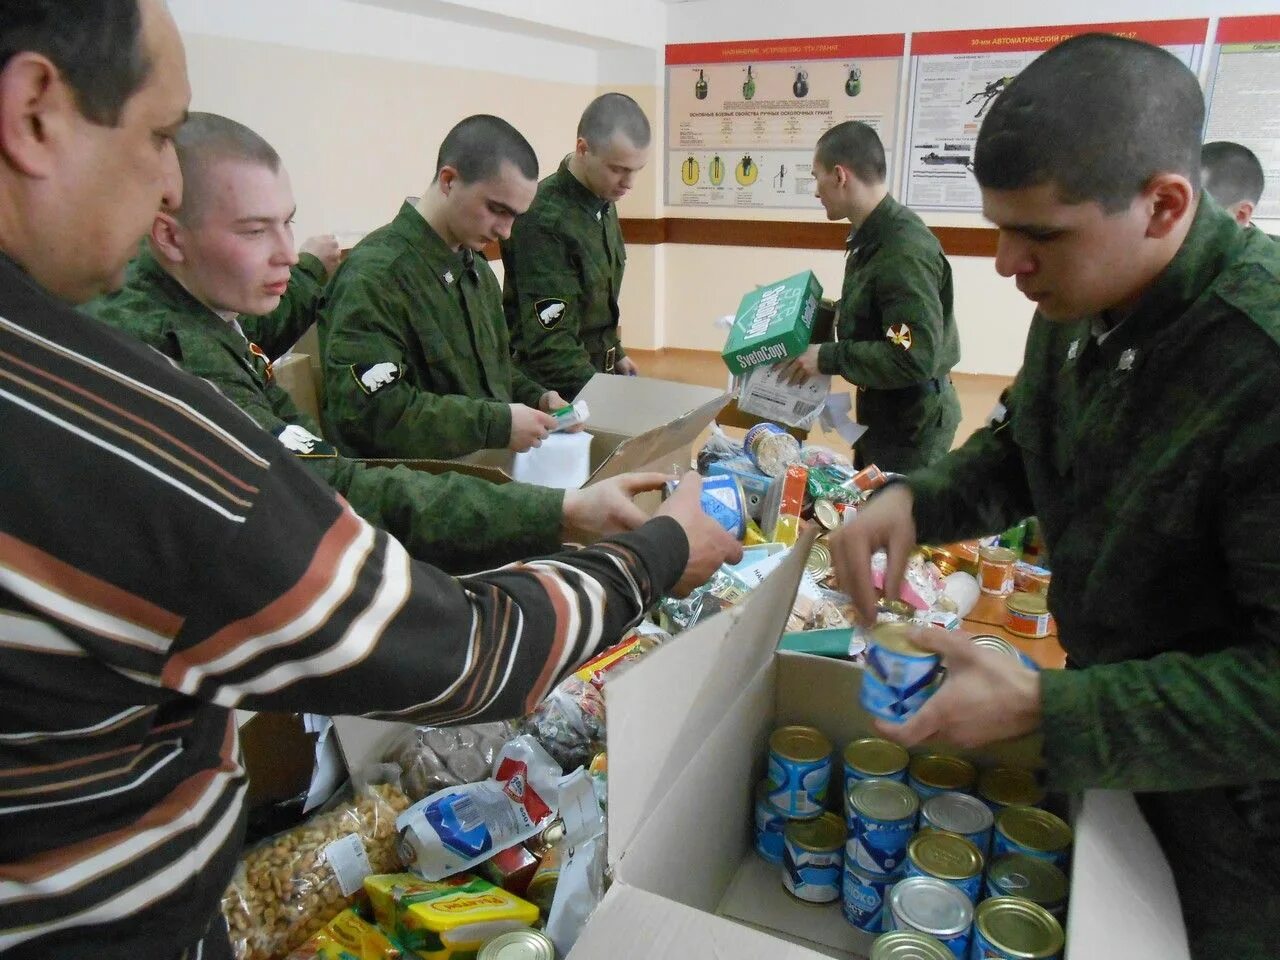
287 889
570 723
431 758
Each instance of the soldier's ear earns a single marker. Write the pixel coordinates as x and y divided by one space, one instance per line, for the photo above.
168 238
1169 199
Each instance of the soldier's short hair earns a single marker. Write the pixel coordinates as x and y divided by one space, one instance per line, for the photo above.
1097 116
610 114
478 146
1232 173
96 46
207 139
856 147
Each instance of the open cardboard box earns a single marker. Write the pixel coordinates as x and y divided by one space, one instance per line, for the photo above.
636 423
688 729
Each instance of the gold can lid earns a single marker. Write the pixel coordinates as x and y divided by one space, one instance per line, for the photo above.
997 555
899 638
1019 928
879 758
821 835
819 560
879 799
909 945
943 771
1021 875
801 744
519 945
946 561
1034 828
825 512
947 856
1010 787
1030 604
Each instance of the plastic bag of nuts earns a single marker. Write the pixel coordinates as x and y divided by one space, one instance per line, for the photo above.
292 885
432 758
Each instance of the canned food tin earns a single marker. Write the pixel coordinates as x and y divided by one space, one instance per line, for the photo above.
881 818
995 570
1035 832
725 503
519 945
909 945
948 857
1009 928
1018 875
818 563
769 825
863 898
931 906
999 644
1002 787
959 813
1028 578
813 858
827 515
933 773
872 757
799 771
869 478
1027 615
899 676
771 448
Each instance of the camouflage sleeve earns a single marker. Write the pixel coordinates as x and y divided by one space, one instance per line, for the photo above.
524 389
542 296
280 329
212 361
906 294
372 408
1181 722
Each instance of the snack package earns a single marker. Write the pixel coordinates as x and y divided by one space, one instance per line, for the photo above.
285 890
432 758
921 585
570 722
460 827
445 919
717 448
348 937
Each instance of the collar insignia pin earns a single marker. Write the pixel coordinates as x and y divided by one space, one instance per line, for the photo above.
1074 350
448 276
1126 360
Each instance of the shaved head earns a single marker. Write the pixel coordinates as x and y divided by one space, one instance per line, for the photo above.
204 141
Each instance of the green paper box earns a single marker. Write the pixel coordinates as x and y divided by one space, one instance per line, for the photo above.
774 323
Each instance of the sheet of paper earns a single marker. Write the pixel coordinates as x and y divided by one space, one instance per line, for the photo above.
563 461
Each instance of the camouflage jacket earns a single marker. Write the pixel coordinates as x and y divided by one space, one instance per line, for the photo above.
417 360
455 522
1150 459
563 270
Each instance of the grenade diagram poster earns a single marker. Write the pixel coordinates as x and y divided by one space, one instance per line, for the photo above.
957 76
743 116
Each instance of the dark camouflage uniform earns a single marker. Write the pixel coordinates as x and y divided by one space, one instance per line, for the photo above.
897 340
455 522
416 357
1151 460
563 271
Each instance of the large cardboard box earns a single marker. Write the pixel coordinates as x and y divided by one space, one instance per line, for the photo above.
773 323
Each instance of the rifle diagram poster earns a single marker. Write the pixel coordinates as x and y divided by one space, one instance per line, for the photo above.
956 76
1244 88
743 116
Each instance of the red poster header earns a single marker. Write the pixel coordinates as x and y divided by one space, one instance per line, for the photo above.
1248 30
801 48
1162 33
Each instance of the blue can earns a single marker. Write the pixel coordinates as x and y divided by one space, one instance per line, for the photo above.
813 858
724 502
930 906
1009 928
769 825
864 897
933 773
959 813
1034 832
799 772
948 857
872 757
899 676
881 815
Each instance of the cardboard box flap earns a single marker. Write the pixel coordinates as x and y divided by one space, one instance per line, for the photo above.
636 405
633 924
660 712
363 743
648 449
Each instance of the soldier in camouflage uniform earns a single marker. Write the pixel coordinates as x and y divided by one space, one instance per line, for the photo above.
226 255
416 355
564 261
1232 174
1143 431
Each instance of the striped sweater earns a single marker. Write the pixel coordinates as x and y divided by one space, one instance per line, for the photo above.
163 561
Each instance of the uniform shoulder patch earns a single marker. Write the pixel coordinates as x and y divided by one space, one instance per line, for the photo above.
304 443
899 335
549 311
372 377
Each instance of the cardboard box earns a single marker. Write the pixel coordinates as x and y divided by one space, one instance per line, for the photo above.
773 323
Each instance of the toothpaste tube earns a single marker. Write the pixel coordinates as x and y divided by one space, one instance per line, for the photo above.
570 415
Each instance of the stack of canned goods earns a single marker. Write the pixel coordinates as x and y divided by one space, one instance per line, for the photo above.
930 856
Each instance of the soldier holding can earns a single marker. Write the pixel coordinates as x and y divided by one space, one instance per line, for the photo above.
1142 431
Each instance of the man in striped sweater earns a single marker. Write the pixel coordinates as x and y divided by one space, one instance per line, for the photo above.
163 561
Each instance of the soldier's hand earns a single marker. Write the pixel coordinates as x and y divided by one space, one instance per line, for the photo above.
325 248
801 368
626 366
985 697
551 401
607 507
710 545
529 427
886 523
